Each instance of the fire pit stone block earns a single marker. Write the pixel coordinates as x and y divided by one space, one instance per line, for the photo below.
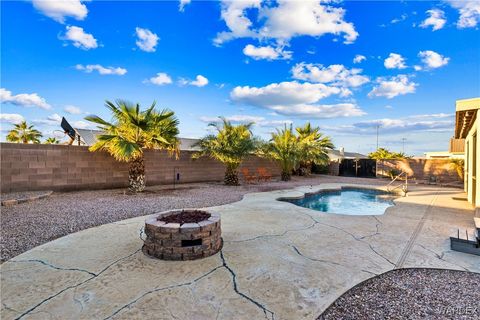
189 241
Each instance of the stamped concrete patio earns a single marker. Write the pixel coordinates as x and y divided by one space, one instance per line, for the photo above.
279 261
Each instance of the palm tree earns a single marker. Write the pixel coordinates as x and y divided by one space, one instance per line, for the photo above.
231 145
385 154
23 133
284 148
131 131
52 140
313 147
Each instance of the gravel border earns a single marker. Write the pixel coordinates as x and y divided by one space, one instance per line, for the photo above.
13 198
27 225
411 293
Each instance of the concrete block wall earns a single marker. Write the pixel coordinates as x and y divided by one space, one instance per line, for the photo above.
27 167
421 169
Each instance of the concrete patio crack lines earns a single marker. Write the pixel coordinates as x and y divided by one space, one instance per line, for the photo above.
416 232
235 287
314 259
377 232
273 235
158 289
326 261
54 267
360 240
440 257
8 308
75 286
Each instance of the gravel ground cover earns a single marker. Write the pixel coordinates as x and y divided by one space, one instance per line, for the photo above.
411 294
27 225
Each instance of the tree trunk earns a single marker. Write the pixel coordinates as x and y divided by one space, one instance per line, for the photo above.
305 169
136 175
286 176
231 177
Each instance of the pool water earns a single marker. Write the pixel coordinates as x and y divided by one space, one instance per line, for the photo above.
355 202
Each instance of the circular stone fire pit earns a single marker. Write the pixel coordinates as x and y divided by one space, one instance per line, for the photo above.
183 235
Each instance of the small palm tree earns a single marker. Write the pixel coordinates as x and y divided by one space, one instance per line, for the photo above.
23 133
313 147
385 154
52 140
459 166
284 148
231 145
131 131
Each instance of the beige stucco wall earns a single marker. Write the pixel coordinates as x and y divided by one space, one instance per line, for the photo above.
421 169
469 163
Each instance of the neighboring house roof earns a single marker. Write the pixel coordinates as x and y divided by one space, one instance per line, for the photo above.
337 154
89 137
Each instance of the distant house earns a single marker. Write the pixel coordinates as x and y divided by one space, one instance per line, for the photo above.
89 137
444 155
467 127
339 155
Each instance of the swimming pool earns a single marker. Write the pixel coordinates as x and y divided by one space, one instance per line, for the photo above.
348 201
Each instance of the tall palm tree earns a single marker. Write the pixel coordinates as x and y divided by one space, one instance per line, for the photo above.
23 133
313 147
52 140
131 131
231 145
284 148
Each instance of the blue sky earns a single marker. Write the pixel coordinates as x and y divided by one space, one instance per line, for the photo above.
271 62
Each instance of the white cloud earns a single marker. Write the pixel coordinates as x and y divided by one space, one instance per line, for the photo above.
393 86
359 58
51 120
425 122
80 38
82 125
258 121
200 81
13 118
234 15
436 19
72 109
147 40
403 17
183 3
160 79
266 52
59 10
283 21
432 59
395 61
335 74
235 118
296 99
23 99
469 12
102 70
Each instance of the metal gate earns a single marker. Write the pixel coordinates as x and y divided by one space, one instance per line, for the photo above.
365 168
